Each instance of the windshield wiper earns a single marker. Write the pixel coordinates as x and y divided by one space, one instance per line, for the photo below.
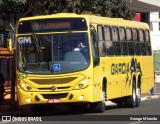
36 43
63 40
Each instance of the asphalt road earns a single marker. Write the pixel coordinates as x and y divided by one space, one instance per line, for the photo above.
147 113
148 107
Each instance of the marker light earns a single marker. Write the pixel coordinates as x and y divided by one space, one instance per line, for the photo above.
81 97
28 100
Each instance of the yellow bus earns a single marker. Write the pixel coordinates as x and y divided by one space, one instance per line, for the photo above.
112 62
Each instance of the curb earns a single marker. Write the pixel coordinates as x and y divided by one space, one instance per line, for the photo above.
150 97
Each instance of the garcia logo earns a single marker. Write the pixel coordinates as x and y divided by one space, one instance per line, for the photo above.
24 40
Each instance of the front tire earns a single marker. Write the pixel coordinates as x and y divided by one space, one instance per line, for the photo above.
99 107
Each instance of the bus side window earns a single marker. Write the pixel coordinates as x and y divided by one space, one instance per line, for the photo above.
109 47
147 42
124 44
136 42
130 41
101 40
116 41
141 39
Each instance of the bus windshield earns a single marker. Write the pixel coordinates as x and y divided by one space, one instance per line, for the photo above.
53 53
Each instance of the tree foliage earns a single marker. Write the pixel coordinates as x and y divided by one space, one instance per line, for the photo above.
109 8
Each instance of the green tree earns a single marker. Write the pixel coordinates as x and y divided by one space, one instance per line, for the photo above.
109 8
8 7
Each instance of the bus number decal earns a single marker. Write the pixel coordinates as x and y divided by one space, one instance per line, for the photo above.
22 76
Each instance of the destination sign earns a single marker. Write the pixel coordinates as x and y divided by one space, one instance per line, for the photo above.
52 25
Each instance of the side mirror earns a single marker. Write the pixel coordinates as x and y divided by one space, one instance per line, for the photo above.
9 45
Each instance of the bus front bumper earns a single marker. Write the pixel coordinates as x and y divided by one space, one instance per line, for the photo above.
82 95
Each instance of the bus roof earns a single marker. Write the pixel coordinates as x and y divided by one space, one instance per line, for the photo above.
94 19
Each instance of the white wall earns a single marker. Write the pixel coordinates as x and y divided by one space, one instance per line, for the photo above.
152 2
155 33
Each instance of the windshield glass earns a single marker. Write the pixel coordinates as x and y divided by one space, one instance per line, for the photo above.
53 53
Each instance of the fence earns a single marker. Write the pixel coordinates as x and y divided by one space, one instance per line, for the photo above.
7 68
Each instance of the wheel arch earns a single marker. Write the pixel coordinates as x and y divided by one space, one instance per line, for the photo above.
139 81
104 83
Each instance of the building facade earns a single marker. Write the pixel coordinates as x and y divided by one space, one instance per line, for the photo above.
148 11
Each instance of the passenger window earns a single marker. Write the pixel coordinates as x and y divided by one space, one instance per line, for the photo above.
135 35
148 44
131 48
147 36
143 49
141 40
107 34
141 35
100 32
114 34
137 48
124 44
117 48
116 41
148 48
101 41
122 34
109 47
130 42
124 48
129 34
101 48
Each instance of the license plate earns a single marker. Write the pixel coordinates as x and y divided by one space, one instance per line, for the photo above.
54 100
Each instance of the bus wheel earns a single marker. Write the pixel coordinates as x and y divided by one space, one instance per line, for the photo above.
100 106
131 101
138 96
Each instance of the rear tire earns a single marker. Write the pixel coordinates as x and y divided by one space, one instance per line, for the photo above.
138 96
132 100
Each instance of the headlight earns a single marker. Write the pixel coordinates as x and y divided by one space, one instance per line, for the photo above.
25 86
82 84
